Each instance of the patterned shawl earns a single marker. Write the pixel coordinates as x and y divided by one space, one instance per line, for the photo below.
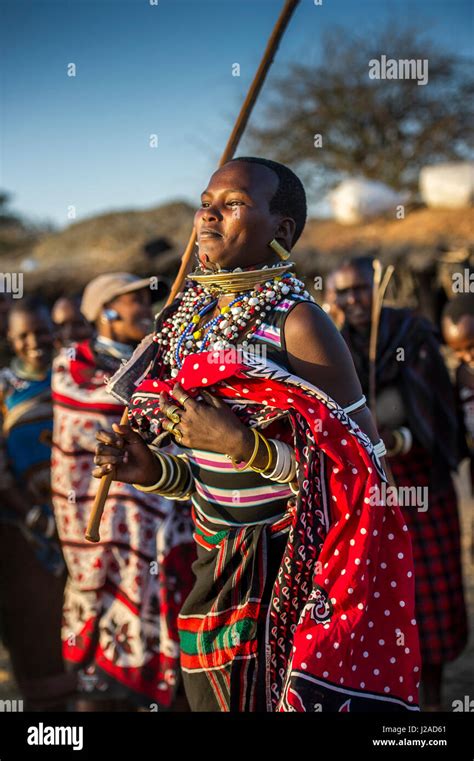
341 629
123 594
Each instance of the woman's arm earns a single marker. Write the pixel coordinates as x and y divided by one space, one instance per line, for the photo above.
318 353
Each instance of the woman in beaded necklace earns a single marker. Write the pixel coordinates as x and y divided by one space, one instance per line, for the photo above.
262 511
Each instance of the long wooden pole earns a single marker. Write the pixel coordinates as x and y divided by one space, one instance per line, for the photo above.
92 532
378 293
379 287
240 124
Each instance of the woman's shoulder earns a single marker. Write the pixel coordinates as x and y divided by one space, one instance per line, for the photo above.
309 331
307 316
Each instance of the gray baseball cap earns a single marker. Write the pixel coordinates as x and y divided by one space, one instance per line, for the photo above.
105 288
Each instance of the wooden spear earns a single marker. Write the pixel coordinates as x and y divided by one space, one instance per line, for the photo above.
379 287
92 532
378 293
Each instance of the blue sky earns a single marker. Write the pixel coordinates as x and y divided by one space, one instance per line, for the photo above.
142 70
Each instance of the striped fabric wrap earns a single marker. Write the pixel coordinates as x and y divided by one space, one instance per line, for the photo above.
339 633
124 593
225 495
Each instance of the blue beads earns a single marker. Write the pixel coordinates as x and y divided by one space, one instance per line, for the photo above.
186 331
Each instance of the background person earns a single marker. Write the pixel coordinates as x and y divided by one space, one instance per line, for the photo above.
71 325
32 570
417 418
458 332
123 594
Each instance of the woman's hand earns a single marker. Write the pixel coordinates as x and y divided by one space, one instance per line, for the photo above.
209 424
125 453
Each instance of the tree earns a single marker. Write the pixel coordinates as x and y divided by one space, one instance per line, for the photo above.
7 218
384 129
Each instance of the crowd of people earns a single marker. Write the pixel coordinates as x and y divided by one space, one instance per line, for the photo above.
243 563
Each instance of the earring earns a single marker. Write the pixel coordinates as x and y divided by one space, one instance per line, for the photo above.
279 250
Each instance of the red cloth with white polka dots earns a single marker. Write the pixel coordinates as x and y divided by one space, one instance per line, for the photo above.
342 632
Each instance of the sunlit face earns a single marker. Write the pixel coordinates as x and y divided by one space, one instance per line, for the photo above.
31 337
353 289
234 224
135 316
460 337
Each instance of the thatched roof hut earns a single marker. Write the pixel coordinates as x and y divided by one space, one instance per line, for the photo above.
145 242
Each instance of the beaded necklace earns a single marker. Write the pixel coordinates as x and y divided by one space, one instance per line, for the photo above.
180 336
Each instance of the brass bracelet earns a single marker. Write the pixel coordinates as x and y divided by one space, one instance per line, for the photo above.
252 458
269 452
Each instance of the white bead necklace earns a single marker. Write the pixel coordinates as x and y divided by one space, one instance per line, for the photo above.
180 336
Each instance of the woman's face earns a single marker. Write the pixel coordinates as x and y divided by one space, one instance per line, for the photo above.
31 338
234 224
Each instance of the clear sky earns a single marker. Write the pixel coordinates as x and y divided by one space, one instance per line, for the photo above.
143 69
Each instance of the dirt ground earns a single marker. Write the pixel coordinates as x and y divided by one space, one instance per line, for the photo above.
459 675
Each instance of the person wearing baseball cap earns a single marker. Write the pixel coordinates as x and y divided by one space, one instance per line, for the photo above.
119 304
113 633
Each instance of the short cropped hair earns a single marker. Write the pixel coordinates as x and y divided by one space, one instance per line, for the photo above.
290 197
